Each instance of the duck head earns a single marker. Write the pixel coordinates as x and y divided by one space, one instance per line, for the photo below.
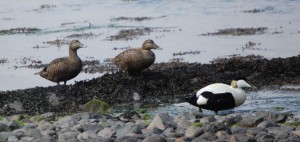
240 83
75 44
149 44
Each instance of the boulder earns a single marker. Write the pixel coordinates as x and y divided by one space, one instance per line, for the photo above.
193 132
250 120
162 121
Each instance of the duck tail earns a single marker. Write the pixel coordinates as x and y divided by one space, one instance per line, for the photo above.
190 98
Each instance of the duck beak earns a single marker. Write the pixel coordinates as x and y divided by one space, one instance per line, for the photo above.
82 45
156 47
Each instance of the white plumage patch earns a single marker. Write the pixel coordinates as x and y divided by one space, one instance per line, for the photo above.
201 100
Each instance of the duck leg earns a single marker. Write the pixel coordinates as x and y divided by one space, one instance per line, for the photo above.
200 110
65 82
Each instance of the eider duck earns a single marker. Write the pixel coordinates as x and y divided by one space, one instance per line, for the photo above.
65 68
135 60
219 96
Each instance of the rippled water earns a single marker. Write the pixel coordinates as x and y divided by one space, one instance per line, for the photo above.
177 25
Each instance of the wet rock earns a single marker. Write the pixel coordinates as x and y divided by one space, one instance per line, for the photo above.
193 132
44 125
267 124
155 138
162 121
127 116
250 120
54 99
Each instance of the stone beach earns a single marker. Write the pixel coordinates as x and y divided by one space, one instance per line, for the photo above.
130 126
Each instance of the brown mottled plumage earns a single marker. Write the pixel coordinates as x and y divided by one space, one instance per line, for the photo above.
136 59
65 68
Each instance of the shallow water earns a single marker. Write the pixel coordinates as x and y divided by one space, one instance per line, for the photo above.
277 100
177 27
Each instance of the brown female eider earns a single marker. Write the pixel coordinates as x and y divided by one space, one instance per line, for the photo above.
65 68
136 59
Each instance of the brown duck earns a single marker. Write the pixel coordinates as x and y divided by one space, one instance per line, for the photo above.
65 68
136 59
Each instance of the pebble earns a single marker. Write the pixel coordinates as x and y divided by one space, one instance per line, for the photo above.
162 128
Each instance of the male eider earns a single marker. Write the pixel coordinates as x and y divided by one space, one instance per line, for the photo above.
65 68
135 60
219 96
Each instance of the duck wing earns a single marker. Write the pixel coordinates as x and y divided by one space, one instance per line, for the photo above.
55 67
218 101
128 55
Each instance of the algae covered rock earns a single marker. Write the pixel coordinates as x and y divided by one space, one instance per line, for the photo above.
96 106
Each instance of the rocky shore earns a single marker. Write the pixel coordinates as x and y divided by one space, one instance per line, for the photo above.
131 126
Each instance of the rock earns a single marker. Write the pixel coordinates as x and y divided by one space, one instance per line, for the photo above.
198 139
267 124
50 116
209 136
282 129
127 116
17 105
207 119
12 139
297 132
129 128
184 123
238 130
161 121
186 117
127 139
155 138
250 120
44 125
256 130
241 138
82 127
48 133
19 133
96 106
107 133
5 135
66 121
67 136
215 127
45 139
87 116
88 136
232 119
272 116
193 132
264 138
27 139
12 124
54 100
35 133
4 128
222 135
